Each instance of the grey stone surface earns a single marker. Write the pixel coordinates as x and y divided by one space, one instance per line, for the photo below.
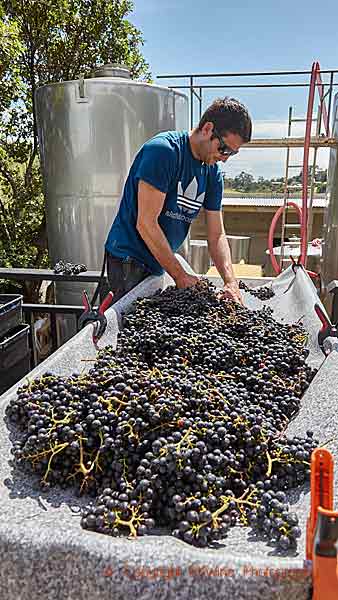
45 554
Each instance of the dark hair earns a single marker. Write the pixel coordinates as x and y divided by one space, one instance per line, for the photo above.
228 115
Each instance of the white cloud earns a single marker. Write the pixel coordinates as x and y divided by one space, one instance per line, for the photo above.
270 162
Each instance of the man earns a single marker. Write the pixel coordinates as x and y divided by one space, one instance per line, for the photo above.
173 175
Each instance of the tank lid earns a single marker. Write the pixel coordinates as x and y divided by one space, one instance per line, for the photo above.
111 70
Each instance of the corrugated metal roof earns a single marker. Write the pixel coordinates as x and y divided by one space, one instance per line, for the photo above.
318 202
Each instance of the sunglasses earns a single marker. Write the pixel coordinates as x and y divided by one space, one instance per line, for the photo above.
223 148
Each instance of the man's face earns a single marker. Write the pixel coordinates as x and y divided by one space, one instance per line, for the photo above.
211 146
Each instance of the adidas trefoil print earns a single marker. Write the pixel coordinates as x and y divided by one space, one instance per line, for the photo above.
188 199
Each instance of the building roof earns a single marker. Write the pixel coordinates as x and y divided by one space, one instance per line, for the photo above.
319 201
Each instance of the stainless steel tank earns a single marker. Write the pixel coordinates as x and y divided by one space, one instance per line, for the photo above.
199 257
89 132
184 249
329 263
240 246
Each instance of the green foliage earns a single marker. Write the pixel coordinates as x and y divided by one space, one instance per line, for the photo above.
44 41
245 183
10 49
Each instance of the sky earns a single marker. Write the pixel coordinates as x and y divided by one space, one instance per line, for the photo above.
195 36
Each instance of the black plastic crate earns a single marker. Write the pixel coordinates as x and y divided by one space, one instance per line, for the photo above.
14 356
10 312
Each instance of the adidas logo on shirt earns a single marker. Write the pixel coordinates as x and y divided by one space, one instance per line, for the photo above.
188 199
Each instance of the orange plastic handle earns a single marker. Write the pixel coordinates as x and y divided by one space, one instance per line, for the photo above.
325 582
321 492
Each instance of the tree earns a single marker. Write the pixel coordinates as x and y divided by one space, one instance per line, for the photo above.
45 41
244 182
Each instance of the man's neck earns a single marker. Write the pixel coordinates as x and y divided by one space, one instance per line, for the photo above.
194 143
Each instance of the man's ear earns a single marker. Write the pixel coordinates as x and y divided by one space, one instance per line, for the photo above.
207 129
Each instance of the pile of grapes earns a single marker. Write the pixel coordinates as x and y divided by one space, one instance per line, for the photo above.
263 292
68 268
182 426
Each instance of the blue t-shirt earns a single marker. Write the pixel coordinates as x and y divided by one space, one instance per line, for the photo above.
167 163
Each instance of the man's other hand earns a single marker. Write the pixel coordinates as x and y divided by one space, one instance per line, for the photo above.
186 280
231 290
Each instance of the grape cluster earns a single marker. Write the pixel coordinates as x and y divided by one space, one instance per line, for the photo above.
262 293
182 426
68 268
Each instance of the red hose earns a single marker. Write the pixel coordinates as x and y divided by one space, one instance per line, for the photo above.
278 213
303 214
307 140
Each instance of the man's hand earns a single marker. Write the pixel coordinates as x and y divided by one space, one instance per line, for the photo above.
231 290
185 280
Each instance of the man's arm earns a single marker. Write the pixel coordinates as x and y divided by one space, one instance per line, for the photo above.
220 253
150 204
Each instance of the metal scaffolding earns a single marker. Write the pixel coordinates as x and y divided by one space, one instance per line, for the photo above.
321 80
196 87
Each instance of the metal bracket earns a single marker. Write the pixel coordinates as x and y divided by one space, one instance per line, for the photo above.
80 90
330 344
327 331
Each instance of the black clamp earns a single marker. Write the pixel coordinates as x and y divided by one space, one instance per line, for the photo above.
95 315
327 331
332 288
296 263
